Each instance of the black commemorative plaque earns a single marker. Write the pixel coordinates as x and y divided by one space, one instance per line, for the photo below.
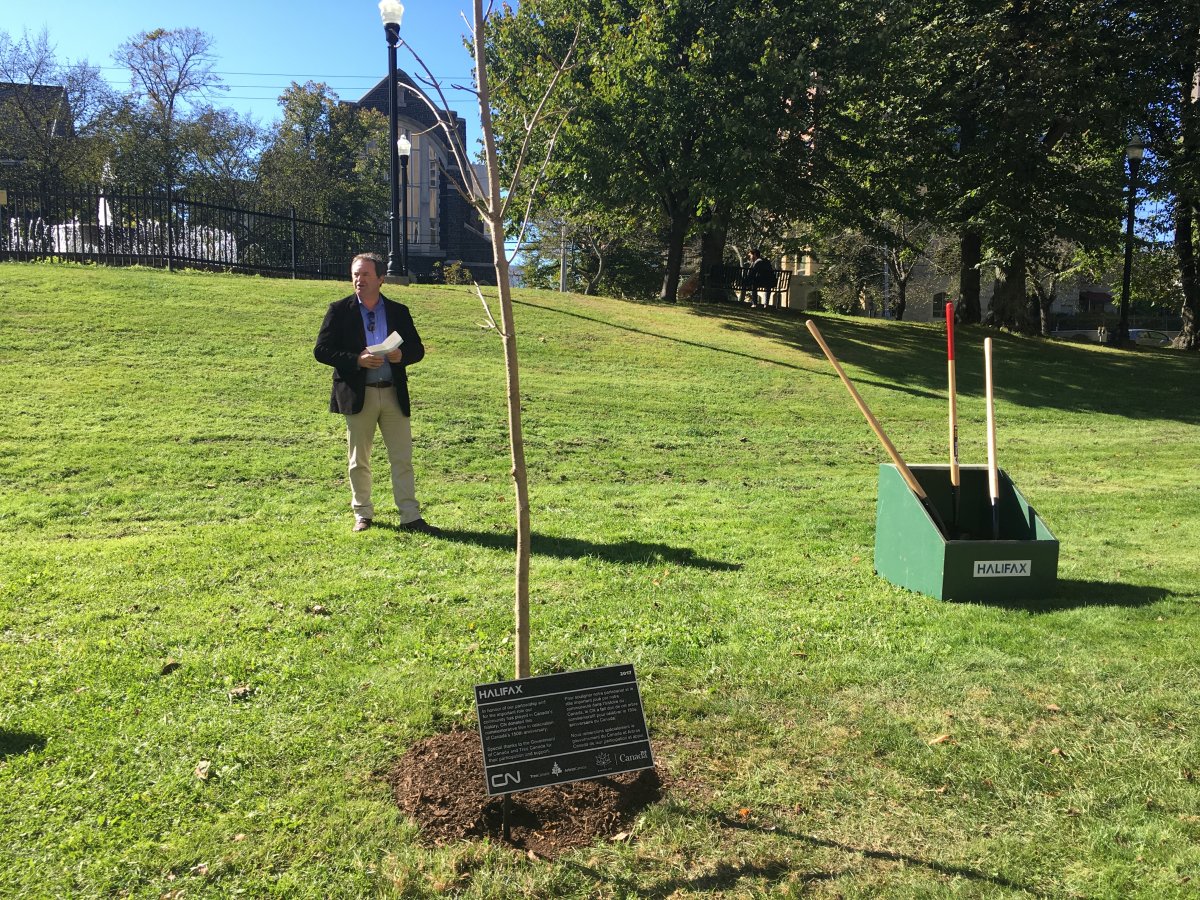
558 728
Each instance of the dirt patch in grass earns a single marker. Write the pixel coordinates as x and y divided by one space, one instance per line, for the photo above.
439 784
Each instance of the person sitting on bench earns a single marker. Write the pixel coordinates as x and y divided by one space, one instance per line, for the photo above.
759 276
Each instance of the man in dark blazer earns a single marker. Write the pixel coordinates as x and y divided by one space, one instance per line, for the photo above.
371 390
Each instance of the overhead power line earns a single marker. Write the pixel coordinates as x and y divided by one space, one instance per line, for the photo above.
294 75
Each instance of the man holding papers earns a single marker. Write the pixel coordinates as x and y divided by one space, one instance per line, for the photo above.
369 341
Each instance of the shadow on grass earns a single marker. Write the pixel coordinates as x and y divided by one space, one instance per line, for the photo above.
727 875
661 337
14 743
783 334
886 855
1075 594
724 877
577 548
1031 372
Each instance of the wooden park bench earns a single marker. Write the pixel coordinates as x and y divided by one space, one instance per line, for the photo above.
733 280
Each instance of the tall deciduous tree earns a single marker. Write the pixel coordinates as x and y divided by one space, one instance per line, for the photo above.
1170 44
171 72
327 159
677 108
223 154
1056 262
1013 128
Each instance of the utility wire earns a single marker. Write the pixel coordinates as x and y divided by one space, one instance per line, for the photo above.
303 75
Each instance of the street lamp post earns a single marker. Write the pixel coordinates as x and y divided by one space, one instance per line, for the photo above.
403 149
1133 153
392 11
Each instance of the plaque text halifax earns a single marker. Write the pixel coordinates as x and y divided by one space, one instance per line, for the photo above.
558 728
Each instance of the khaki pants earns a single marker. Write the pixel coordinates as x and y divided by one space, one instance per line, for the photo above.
380 408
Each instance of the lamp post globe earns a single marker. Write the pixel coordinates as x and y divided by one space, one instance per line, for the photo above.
1133 153
391 12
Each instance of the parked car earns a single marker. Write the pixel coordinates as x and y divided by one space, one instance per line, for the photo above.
1146 337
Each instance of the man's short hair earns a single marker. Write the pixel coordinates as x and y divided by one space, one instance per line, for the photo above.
380 264
757 251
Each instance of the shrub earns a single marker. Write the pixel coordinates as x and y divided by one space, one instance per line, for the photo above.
457 273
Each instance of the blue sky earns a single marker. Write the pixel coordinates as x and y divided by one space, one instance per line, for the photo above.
261 46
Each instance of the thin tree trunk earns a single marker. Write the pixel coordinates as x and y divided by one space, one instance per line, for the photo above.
1185 250
508 328
599 248
1188 204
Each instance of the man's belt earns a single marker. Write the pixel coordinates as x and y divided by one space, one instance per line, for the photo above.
379 384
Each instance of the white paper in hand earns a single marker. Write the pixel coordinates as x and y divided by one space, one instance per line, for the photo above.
387 345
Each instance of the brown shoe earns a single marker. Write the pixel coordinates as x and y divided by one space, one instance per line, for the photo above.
361 524
420 525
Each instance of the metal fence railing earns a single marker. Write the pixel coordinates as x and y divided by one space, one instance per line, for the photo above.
124 228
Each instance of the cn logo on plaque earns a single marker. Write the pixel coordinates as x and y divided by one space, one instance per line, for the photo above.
558 728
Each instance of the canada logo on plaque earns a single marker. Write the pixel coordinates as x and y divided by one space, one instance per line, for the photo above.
558 728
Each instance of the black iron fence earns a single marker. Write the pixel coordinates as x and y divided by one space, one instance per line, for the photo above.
124 228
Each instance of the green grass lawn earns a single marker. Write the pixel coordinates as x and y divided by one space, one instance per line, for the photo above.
703 493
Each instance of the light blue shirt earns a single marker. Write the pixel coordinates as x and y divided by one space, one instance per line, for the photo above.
376 335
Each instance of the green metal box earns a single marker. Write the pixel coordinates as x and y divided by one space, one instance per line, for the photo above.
911 552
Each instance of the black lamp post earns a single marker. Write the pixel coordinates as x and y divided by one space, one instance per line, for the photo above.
403 149
1133 153
392 11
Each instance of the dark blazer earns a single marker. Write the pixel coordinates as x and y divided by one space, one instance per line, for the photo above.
342 338
761 274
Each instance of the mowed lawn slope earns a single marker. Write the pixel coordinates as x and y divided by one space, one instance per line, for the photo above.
181 595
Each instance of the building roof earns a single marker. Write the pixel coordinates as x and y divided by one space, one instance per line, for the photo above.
414 103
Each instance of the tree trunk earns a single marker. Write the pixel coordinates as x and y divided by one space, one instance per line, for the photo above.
1043 298
896 265
599 248
495 223
1044 313
970 309
712 254
680 220
1188 204
1009 303
971 255
901 302
1035 316
1185 250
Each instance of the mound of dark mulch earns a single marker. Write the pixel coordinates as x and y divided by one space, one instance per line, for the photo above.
439 784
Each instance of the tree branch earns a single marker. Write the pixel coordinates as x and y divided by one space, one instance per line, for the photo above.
531 124
456 147
537 181
487 311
